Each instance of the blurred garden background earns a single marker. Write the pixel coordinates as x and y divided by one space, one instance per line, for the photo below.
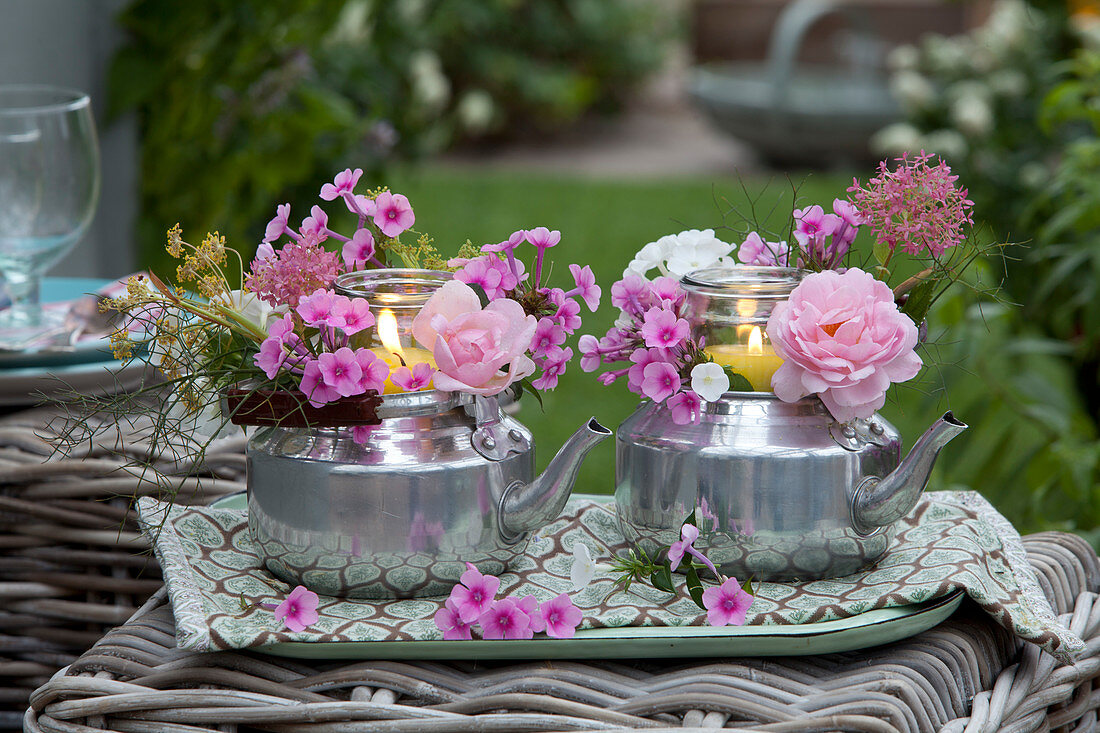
619 121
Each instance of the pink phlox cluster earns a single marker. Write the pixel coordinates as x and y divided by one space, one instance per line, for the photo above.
917 207
473 604
650 344
727 604
495 276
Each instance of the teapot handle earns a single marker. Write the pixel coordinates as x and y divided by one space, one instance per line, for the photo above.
491 439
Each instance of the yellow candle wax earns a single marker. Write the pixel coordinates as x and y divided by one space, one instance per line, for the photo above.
412 356
756 361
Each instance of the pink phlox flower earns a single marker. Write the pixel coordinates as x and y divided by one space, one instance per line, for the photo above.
530 606
282 329
553 366
628 294
755 251
358 250
299 610
505 620
298 269
340 370
688 534
361 434
393 214
412 380
272 356
848 212
667 290
375 370
514 240
490 273
587 288
351 315
814 225
660 381
542 238
663 329
313 385
706 513
449 621
568 315
590 353
641 358
686 406
560 617
343 183
315 226
277 226
548 335
316 308
474 594
727 603
916 206
359 204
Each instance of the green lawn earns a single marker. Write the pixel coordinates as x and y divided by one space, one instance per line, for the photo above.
603 223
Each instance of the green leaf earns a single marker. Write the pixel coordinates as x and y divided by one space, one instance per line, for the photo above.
738 383
695 586
689 519
882 252
919 301
662 580
747 586
526 386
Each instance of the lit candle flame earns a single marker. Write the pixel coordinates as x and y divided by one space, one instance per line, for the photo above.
387 333
756 341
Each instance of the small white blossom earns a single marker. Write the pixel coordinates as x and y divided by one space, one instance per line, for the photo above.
709 381
584 567
694 249
972 115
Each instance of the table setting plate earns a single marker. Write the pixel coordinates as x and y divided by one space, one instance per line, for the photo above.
872 628
86 367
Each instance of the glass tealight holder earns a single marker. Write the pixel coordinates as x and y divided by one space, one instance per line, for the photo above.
729 308
395 296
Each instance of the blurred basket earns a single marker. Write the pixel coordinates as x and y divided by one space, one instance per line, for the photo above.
72 562
799 114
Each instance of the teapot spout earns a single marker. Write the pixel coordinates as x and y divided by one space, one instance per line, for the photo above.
527 507
880 502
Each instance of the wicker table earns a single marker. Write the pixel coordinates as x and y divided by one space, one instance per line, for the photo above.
67 570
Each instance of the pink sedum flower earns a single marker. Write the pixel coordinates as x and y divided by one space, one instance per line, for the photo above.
842 337
505 620
296 270
343 183
412 380
299 610
727 604
392 213
474 594
560 617
477 351
448 620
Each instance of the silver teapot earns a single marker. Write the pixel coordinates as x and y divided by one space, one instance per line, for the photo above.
445 479
780 491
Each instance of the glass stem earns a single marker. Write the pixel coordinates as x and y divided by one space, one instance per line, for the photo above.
24 291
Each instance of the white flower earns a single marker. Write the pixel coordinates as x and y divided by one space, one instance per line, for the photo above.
475 110
584 567
895 139
972 115
249 305
694 249
709 381
913 90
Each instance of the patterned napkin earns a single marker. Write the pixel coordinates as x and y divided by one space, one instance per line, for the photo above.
951 541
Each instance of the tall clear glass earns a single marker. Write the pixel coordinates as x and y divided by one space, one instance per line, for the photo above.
49 187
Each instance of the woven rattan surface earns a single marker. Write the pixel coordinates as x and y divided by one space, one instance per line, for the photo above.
72 563
67 571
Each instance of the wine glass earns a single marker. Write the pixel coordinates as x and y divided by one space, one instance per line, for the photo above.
49 186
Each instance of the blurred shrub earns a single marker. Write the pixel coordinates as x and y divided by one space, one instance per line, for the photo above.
1020 125
246 103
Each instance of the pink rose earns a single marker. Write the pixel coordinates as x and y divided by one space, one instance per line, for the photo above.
479 351
842 337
